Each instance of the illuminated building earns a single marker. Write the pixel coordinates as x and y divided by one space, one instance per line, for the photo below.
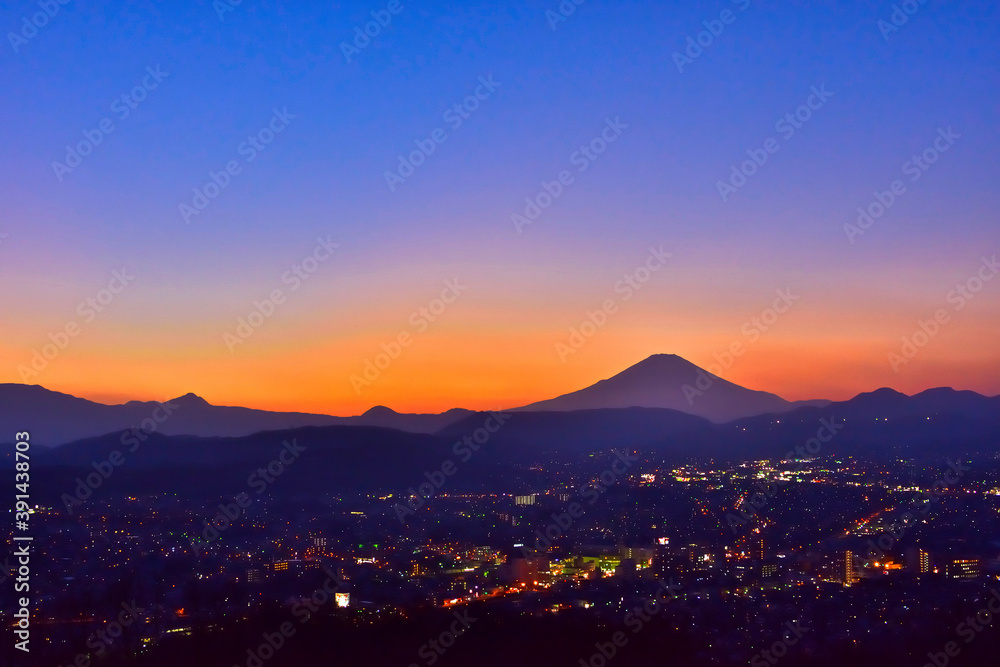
638 554
847 572
962 568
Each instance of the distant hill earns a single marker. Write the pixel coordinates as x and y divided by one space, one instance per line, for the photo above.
663 399
882 425
55 418
326 459
669 381
413 423
582 431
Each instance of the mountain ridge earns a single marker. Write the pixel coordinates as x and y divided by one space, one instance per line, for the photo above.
672 382
661 381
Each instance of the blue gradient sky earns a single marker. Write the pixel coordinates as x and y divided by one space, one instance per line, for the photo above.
656 185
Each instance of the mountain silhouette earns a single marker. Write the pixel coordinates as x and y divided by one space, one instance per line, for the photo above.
669 381
53 418
675 394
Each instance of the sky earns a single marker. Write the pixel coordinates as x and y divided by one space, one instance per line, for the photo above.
253 201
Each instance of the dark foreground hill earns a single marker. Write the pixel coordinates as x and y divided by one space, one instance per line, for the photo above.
501 451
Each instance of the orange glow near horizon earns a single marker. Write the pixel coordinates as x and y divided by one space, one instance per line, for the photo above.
495 371
496 346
